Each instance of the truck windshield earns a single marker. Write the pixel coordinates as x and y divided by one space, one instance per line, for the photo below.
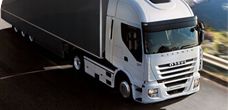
170 40
166 36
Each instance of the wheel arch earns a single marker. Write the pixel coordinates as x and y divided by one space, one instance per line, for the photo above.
119 74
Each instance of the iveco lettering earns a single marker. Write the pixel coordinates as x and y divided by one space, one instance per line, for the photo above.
148 49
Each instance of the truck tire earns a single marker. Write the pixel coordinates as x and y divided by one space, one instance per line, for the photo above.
78 63
124 87
30 38
23 34
15 29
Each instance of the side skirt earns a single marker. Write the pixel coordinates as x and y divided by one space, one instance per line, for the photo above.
99 71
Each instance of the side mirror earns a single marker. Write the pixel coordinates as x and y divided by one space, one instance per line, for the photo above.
201 25
201 29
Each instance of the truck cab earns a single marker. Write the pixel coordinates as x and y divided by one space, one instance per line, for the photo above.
155 44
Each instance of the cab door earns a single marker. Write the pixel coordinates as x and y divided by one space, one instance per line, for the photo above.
128 50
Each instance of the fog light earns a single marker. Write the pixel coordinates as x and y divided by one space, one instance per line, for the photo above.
153 92
196 83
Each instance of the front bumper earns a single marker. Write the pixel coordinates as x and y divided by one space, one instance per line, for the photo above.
165 92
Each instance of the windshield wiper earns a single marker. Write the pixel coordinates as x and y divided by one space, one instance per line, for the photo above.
188 46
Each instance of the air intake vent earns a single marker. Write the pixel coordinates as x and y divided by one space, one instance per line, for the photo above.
160 1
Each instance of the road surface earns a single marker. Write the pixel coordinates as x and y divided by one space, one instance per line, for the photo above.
24 85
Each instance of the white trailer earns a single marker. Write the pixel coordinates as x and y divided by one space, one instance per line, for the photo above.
148 49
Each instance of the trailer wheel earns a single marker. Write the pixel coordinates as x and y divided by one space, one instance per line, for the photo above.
30 38
124 88
78 63
22 34
15 29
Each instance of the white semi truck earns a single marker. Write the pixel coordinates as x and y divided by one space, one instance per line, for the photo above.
148 49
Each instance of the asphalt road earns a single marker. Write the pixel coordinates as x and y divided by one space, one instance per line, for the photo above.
24 85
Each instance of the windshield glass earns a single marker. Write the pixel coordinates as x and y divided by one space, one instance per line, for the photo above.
170 40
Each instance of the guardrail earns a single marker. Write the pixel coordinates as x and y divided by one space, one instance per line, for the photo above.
217 69
216 61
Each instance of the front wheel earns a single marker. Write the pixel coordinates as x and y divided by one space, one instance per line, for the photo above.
78 63
125 89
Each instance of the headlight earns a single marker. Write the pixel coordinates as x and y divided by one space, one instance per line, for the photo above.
153 92
196 83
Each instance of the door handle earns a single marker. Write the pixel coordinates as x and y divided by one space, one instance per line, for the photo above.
125 59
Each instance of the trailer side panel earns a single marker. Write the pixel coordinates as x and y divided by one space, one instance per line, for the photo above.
75 21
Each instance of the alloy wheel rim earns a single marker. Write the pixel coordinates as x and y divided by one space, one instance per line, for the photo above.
30 39
77 63
125 89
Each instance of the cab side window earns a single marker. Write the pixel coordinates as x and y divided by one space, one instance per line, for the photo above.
131 37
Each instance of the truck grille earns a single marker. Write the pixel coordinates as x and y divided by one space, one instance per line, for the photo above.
176 75
185 67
